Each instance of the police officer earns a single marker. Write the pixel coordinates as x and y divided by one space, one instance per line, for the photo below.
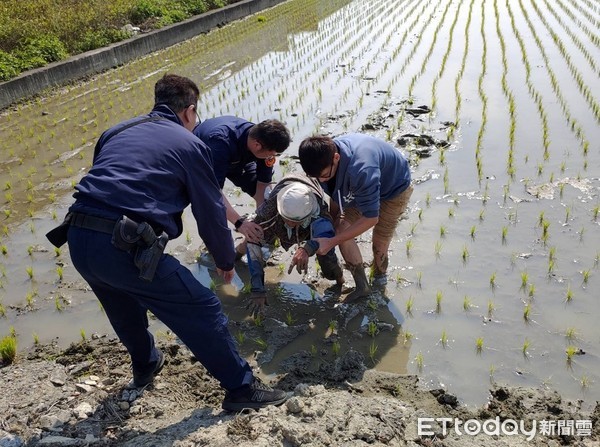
149 169
244 153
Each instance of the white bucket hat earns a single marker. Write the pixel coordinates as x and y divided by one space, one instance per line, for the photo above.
296 202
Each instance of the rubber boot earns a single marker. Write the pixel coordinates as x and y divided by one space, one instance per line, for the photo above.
362 288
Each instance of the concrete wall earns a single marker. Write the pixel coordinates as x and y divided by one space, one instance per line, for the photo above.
33 82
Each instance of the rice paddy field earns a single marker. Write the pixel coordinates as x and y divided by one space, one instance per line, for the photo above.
496 103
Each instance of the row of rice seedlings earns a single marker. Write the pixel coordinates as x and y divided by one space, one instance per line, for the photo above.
580 27
417 75
510 167
483 97
595 22
445 58
461 72
583 87
532 91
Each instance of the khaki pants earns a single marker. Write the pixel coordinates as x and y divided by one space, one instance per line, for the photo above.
383 232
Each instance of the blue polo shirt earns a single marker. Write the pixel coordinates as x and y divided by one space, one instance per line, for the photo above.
370 170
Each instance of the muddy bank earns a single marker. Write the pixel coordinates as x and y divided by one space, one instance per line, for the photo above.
77 397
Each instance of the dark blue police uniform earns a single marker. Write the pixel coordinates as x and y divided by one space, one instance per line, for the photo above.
227 138
151 172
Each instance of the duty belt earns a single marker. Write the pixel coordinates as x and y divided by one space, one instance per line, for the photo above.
89 222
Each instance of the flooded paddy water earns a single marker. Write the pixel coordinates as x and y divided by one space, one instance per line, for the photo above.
493 272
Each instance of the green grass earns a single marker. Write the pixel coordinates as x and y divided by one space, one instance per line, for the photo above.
35 33
8 349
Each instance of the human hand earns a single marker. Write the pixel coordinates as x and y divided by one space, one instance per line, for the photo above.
251 231
227 275
300 260
325 245
257 303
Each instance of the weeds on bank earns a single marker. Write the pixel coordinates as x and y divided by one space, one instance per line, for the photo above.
8 349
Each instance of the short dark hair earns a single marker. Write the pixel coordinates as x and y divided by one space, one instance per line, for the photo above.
272 134
316 153
177 92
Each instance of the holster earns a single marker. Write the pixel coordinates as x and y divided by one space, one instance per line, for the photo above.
128 236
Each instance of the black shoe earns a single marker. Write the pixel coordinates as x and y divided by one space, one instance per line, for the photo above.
143 380
254 396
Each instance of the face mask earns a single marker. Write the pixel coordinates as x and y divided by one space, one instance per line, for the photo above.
304 224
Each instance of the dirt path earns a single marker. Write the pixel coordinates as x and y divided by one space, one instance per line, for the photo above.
77 397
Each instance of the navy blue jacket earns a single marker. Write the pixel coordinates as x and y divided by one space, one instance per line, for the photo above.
152 172
227 137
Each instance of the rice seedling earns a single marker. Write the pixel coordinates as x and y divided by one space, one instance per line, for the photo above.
8 349
479 345
504 234
571 351
552 254
569 296
372 329
428 199
258 320
83 334
262 344
29 270
444 339
527 312
531 292
332 328
289 319
465 254
420 280
372 351
585 275
481 215
524 279
493 281
472 232
407 336
438 301
491 308
595 212
4 249
438 249
525 347
335 348
59 272
409 306
467 304
420 214
30 250
409 245
584 381
2 310
36 339
442 231
419 361
240 337
570 333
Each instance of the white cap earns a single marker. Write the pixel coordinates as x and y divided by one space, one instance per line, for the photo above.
296 202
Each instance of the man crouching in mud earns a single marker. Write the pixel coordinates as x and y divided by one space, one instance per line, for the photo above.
295 212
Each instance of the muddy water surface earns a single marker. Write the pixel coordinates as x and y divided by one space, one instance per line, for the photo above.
494 269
